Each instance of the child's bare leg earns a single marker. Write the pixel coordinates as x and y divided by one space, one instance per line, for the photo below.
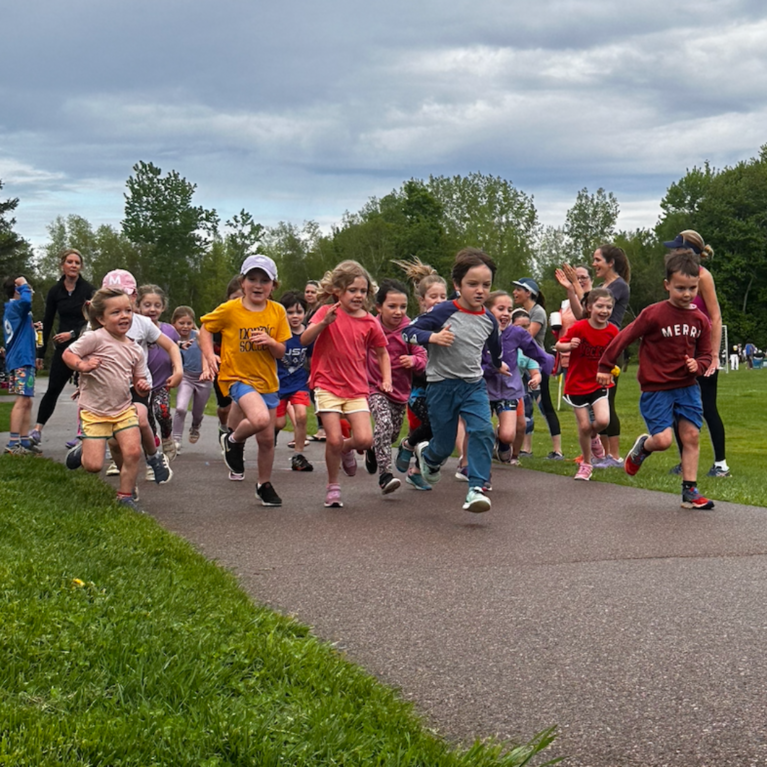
660 441
334 444
461 444
519 436
689 435
585 432
299 427
601 410
147 435
265 440
21 415
507 426
257 417
93 455
362 432
129 446
235 417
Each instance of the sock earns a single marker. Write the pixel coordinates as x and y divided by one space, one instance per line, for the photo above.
502 446
231 440
14 438
687 485
123 495
722 465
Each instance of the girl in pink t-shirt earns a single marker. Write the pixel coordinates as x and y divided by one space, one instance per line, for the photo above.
343 332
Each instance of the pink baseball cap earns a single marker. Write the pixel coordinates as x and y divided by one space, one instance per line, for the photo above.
120 279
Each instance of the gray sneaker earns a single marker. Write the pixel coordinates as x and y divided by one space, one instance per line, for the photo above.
130 503
429 473
74 459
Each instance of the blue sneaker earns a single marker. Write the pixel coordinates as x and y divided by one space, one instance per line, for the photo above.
429 473
417 481
404 456
476 501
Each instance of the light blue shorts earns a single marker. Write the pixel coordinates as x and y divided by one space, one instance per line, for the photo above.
239 389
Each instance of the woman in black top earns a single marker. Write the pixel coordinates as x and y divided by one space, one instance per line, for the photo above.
66 298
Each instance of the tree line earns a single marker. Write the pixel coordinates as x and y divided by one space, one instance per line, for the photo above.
167 239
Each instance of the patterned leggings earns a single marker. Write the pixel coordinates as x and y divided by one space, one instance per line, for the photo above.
159 412
422 432
388 417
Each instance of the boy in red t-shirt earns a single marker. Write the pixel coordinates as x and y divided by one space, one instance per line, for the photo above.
586 342
676 345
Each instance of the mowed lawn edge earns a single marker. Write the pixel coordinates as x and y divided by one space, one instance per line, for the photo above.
121 645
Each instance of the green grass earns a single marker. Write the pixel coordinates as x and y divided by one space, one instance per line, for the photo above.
741 401
120 645
5 415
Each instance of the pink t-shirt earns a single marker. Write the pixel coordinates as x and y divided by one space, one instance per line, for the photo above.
106 390
339 360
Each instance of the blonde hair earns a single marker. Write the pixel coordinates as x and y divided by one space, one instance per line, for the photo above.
341 277
421 275
494 296
183 311
148 290
95 308
691 237
69 252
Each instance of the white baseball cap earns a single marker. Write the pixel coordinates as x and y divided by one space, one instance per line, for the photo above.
264 263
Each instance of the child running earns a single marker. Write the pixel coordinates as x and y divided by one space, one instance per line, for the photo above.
194 385
430 290
344 331
388 409
253 330
20 363
456 333
152 303
530 372
506 391
224 402
675 347
294 379
109 363
585 341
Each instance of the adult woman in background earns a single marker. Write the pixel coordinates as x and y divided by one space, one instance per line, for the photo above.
66 298
708 303
527 295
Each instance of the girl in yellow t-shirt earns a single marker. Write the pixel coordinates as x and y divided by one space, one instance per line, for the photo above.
253 334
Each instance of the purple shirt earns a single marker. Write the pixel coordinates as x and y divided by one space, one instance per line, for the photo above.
160 365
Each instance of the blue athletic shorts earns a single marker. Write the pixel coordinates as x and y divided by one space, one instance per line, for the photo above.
239 389
661 409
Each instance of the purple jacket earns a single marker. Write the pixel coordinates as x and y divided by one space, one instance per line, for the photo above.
401 378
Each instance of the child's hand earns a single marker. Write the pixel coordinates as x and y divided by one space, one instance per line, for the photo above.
712 368
86 366
20 281
175 379
445 337
604 379
504 369
691 363
407 361
535 380
385 386
260 338
332 314
184 345
574 343
38 364
141 385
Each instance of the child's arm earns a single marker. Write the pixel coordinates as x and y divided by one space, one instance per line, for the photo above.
316 328
416 360
209 358
173 352
612 353
384 364
77 363
273 346
568 346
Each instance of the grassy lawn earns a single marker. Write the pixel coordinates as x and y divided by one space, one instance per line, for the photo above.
741 399
120 645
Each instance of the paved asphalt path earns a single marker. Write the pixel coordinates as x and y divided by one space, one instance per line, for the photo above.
637 627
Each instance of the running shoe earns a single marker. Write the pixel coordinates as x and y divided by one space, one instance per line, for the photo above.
113 471
676 470
36 436
371 464
608 462
715 471
194 434
404 457
429 473
503 452
514 461
68 445
149 476
162 472
462 473
127 502
487 486
333 497
597 449
525 453
555 456
268 495
31 447
636 456
692 499
234 455
16 449
349 463
388 483
299 463
169 449
74 459
235 477
584 472
476 501
417 481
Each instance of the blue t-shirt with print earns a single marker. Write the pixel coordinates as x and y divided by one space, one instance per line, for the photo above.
291 369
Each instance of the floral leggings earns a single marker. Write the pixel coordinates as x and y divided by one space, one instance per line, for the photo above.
159 412
388 417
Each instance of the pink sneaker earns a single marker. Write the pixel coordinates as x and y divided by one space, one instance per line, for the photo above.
597 449
584 472
333 497
349 463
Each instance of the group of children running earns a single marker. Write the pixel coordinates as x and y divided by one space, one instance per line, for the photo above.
450 370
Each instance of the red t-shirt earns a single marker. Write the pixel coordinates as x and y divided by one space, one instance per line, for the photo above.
584 360
339 359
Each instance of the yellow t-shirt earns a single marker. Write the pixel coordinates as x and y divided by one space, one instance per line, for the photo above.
240 359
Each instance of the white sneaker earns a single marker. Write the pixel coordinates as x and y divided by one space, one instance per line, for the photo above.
112 470
149 474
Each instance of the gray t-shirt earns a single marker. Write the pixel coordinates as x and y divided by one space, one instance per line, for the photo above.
538 314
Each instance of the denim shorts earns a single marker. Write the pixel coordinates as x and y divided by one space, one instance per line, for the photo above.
239 389
662 409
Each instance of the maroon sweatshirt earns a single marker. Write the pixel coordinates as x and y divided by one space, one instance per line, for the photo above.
668 336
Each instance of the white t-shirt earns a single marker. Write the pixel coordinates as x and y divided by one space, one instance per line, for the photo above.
144 332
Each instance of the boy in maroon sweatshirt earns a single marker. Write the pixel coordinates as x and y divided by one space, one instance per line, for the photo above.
676 344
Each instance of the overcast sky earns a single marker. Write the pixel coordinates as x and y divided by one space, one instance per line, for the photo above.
302 110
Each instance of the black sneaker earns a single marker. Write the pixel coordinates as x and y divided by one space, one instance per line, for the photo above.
234 455
268 495
159 465
74 457
388 483
299 463
371 464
